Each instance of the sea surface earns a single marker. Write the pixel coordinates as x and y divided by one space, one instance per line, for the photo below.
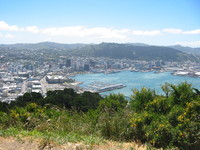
135 80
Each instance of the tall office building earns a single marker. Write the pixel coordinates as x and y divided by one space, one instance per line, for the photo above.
68 63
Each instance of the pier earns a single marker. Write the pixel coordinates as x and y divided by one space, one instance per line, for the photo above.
100 87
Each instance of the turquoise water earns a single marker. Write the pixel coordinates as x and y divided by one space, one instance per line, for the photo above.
136 80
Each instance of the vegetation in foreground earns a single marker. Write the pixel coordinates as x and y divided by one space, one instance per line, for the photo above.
168 120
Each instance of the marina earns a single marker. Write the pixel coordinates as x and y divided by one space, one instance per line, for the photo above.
100 87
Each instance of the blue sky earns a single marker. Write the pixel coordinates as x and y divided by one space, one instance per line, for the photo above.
157 22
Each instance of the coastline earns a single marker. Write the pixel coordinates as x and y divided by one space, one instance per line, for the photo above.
175 72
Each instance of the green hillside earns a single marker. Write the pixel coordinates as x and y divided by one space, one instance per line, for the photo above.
129 51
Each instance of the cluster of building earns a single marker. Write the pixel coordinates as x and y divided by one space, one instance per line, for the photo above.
43 74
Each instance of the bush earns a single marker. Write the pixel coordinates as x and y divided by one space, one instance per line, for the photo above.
170 120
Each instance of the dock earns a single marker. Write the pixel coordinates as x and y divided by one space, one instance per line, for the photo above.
100 87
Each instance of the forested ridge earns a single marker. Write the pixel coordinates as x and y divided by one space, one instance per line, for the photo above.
135 52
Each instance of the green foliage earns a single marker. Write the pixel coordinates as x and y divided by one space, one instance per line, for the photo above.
160 105
4 120
66 98
3 106
113 102
182 93
170 120
141 98
115 127
113 121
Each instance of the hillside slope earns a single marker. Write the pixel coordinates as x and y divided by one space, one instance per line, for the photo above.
129 51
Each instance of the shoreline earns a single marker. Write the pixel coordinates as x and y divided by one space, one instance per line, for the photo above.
172 72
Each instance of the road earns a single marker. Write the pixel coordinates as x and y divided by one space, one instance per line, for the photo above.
43 85
24 87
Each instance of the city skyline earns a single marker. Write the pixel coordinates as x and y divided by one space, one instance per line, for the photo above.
168 22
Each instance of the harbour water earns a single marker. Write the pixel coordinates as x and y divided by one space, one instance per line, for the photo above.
135 80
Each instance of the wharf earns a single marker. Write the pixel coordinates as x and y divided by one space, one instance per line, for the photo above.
100 87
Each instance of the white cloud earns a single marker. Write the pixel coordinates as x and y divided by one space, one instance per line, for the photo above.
104 32
81 31
64 31
179 31
197 31
172 30
146 33
101 32
1 35
10 36
6 36
192 44
84 34
33 29
5 26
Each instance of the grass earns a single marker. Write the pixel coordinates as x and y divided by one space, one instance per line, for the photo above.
56 137
48 139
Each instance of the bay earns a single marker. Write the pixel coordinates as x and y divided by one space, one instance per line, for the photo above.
135 80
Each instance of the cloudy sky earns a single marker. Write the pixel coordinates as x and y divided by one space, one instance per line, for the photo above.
157 22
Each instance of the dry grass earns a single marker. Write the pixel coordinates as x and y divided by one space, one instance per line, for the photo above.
28 143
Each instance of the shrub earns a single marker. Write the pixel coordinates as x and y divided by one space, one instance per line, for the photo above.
170 120
140 98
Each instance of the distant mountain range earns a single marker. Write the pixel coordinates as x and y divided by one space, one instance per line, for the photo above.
138 51
42 45
189 50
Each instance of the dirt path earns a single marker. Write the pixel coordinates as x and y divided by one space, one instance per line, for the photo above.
15 144
29 144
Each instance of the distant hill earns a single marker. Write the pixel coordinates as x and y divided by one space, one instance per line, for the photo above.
130 51
42 45
137 51
189 50
138 44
